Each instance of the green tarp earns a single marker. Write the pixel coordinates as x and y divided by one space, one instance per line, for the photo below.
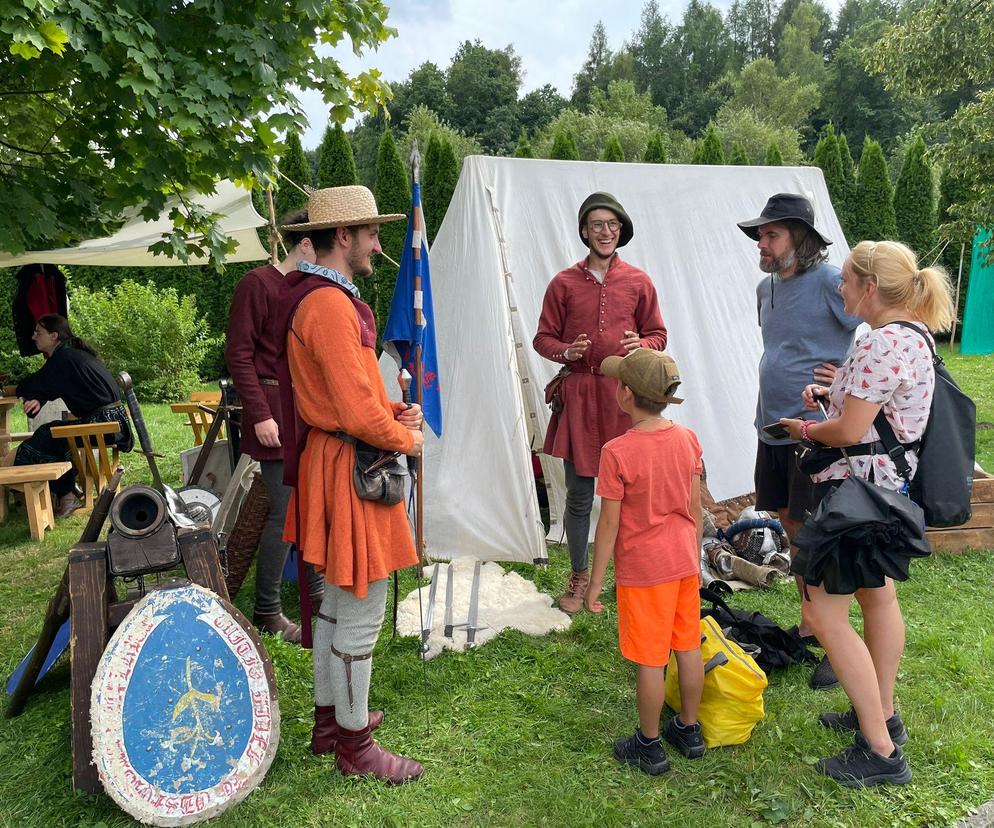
978 317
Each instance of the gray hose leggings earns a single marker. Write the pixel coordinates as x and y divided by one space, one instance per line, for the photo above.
345 633
579 502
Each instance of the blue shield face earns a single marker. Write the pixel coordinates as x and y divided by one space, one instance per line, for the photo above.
187 710
184 715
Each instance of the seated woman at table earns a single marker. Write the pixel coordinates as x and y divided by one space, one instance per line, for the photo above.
72 372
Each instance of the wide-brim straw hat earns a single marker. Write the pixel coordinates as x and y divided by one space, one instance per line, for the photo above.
342 207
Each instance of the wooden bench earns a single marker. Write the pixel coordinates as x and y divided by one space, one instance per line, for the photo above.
200 409
976 533
33 482
93 457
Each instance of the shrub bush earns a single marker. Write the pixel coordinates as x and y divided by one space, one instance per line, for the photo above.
154 334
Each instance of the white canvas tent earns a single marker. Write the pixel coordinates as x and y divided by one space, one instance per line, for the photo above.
510 228
129 246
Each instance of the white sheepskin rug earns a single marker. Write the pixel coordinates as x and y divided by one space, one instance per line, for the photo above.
506 601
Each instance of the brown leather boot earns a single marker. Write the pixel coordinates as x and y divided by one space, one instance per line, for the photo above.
572 599
276 623
356 754
67 504
325 733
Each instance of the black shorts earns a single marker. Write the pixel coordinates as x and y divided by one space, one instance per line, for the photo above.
780 484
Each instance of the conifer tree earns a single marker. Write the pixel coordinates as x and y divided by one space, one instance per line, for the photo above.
914 200
294 166
564 147
829 158
774 158
441 172
874 219
524 147
336 162
738 155
612 149
848 214
429 172
393 195
655 153
953 189
710 151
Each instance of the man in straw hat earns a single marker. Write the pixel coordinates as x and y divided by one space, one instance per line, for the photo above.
251 357
333 395
598 307
806 333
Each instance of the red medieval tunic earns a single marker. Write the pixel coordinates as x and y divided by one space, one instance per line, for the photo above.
576 303
337 387
251 355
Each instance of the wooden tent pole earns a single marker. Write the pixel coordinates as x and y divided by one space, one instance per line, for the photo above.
959 281
273 235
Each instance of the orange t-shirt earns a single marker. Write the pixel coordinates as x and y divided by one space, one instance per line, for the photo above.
651 473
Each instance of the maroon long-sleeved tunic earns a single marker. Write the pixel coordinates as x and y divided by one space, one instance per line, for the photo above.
250 355
576 303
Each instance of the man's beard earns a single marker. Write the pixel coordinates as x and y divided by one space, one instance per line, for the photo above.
358 264
777 264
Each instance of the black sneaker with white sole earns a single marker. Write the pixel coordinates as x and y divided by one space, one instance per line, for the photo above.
685 738
849 722
646 755
859 767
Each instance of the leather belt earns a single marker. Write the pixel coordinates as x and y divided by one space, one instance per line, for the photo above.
584 369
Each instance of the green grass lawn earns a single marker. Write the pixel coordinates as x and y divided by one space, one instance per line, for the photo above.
521 729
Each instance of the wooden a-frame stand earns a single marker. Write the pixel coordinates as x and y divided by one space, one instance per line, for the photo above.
87 599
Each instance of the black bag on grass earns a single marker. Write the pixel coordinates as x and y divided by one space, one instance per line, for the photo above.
769 644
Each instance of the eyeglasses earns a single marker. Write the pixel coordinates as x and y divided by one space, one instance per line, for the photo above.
614 225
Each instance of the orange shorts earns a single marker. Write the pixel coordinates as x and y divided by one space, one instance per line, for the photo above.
656 619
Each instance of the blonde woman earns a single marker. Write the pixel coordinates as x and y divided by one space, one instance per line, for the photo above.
888 368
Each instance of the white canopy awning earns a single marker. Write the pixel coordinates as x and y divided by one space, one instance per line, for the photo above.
129 246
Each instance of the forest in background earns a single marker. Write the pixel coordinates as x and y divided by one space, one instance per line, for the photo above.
763 83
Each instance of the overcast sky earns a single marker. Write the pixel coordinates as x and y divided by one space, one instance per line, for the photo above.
550 36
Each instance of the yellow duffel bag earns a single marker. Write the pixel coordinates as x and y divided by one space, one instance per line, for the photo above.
732 702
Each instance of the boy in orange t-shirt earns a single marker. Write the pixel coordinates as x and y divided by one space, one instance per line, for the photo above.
651 524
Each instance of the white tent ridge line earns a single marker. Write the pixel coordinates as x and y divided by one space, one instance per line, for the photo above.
129 246
511 226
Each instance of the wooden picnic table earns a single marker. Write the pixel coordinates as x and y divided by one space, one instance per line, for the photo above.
7 404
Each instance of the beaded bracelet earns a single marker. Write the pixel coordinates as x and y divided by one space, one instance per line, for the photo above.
805 425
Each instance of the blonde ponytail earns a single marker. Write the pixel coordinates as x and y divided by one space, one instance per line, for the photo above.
932 301
926 293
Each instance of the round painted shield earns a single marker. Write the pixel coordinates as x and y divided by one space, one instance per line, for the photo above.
184 712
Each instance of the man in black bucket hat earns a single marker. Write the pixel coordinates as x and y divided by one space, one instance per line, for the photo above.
806 333
599 307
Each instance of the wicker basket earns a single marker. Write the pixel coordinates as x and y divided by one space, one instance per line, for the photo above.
243 542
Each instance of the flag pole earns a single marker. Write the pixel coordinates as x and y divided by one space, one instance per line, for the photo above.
419 371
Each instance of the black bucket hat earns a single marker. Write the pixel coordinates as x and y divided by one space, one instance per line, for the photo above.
783 207
605 201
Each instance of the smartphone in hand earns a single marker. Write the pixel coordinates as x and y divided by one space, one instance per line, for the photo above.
778 431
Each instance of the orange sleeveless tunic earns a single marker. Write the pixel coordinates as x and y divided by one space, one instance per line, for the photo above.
338 387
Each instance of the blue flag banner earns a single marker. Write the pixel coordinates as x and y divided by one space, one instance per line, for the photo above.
402 335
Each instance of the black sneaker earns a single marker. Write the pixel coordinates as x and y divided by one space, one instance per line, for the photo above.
823 677
650 758
685 738
849 722
859 767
